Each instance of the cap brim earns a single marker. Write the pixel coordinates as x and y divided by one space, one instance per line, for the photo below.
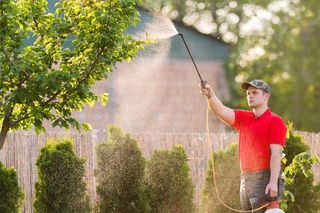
245 85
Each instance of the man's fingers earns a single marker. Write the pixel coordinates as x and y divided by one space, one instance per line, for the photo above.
205 90
206 86
273 193
267 190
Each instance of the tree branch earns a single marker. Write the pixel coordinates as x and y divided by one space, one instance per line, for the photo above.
92 66
37 28
23 112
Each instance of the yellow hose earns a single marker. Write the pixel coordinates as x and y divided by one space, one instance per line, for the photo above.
214 176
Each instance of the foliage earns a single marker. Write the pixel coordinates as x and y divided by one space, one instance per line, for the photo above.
120 174
169 183
61 186
281 59
227 174
302 194
49 59
269 40
222 18
11 196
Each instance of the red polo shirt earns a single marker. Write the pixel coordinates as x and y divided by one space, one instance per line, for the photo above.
255 137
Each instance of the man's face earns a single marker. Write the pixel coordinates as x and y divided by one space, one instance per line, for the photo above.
256 97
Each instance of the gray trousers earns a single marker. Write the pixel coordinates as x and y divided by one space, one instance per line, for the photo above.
252 189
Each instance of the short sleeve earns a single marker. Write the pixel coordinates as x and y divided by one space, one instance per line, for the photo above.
277 131
239 117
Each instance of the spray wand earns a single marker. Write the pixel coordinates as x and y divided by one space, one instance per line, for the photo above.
203 82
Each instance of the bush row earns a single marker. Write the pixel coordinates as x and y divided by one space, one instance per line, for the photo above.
127 182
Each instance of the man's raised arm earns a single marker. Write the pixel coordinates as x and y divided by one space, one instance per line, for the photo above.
221 111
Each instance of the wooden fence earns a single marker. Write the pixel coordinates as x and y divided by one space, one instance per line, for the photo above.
22 148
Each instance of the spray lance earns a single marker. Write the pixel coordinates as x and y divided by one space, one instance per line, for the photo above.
203 82
273 205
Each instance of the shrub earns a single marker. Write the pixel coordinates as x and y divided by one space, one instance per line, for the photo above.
61 186
227 174
169 183
11 196
120 174
306 193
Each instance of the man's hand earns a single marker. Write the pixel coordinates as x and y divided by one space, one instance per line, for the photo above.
272 189
216 106
206 90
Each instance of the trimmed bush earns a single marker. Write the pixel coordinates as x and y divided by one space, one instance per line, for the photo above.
169 183
120 174
306 193
61 186
227 174
11 196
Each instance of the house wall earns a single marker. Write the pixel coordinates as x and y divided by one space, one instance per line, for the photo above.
156 99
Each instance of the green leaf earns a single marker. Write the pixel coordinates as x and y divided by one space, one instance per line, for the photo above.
86 126
104 99
90 103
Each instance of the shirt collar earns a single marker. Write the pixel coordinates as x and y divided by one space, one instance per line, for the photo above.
266 114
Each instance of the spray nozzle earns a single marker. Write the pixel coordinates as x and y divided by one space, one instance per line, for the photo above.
203 83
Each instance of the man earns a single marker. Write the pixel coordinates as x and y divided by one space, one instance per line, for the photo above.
261 140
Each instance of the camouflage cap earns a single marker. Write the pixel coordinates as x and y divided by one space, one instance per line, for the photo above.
256 83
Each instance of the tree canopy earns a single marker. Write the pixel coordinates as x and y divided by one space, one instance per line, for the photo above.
276 40
50 59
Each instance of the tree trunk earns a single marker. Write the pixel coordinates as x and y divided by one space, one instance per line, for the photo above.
5 127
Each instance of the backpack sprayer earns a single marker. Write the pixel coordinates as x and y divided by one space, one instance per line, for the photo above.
273 205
